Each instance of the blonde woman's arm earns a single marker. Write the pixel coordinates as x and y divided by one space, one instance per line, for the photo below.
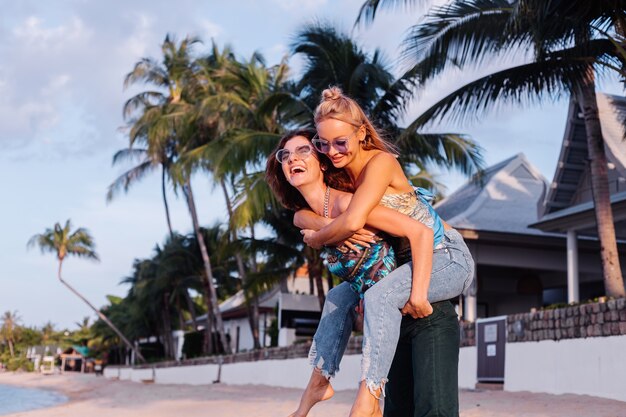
376 177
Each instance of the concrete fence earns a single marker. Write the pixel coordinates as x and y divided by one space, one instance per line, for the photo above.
287 373
593 366
578 350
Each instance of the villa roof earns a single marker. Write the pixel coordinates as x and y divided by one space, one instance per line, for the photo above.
572 167
234 306
503 200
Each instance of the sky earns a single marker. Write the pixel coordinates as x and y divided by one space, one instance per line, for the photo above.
62 66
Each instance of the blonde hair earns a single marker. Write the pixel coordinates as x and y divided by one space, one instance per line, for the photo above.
338 106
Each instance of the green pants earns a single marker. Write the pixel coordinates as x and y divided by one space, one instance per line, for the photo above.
423 380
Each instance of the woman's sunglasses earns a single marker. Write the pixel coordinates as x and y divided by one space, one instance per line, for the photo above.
303 152
340 144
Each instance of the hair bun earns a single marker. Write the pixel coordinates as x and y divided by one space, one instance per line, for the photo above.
332 93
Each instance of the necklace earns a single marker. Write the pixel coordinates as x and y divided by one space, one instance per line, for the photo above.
326 201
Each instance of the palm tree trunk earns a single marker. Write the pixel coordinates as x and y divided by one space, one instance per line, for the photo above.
101 316
210 290
252 306
586 97
254 314
284 281
167 208
208 331
11 350
168 342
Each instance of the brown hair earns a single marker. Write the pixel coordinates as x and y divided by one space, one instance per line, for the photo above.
287 194
338 106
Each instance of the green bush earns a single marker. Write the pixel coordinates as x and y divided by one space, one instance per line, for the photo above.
20 364
192 347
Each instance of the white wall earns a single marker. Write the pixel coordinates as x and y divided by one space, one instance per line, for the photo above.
467 367
594 366
245 334
140 375
288 373
291 373
192 375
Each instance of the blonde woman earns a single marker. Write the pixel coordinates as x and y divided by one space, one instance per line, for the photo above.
348 138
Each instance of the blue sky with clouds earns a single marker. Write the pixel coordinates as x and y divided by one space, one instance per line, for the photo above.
62 66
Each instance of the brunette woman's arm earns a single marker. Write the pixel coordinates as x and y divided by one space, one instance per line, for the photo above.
377 176
307 219
419 236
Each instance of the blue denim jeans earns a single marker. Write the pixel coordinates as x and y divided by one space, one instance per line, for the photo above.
452 273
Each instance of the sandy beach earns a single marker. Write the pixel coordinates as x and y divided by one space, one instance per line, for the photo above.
98 397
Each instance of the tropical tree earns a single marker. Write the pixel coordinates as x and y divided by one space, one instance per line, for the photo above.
82 334
237 133
163 123
48 333
568 44
9 330
63 241
333 58
124 315
146 163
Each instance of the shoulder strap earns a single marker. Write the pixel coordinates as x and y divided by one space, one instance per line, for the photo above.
425 194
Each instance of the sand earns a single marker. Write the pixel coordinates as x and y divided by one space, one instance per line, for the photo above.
92 396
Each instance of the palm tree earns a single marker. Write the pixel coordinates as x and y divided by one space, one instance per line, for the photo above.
164 124
568 44
149 299
64 242
239 139
48 332
333 58
147 163
9 329
152 116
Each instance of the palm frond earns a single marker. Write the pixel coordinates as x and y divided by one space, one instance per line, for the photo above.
524 85
369 9
141 101
460 33
252 201
446 150
129 154
133 175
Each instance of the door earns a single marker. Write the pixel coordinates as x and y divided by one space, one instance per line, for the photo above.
490 346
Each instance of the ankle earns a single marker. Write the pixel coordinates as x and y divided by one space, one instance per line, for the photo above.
319 379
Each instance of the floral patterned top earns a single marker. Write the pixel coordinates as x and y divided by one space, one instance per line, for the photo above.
364 269
416 204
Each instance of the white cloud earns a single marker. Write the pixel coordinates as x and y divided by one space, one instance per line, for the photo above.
34 33
307 5
209 29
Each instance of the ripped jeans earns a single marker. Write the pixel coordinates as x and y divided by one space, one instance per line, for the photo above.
452 273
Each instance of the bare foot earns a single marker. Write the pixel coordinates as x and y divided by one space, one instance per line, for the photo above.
366 404
318 389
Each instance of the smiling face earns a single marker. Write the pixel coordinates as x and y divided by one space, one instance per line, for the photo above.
339 132
299 169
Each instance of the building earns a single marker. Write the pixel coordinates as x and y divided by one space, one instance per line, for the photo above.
295 311
568 204
534 242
